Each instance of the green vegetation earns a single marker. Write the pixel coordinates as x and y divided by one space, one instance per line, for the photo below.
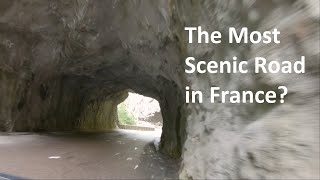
124 116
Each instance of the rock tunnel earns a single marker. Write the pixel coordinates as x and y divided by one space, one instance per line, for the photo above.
66 65
72 75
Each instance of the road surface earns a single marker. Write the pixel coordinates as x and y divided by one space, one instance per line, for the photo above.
121 154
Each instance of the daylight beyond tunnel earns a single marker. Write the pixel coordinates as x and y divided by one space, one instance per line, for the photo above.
139 112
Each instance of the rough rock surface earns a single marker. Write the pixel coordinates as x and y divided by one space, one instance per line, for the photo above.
252 141
102 113
60 60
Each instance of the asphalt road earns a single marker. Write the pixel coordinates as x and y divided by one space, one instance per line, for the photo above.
119 154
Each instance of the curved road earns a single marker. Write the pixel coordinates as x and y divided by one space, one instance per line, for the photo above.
118 154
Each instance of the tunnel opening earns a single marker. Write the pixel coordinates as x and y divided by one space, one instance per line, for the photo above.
138 112
99 99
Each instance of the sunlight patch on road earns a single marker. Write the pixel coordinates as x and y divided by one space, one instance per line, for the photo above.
54 157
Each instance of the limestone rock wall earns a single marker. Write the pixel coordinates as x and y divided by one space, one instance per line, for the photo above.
102 113
252 141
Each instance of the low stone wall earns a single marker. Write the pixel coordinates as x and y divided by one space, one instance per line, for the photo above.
139 128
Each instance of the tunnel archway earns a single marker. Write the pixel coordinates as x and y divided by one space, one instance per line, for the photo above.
69 75
170 102
86 99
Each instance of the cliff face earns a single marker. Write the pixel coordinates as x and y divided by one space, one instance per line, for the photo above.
64 64
255 141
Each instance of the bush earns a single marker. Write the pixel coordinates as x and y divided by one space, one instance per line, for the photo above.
124 116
